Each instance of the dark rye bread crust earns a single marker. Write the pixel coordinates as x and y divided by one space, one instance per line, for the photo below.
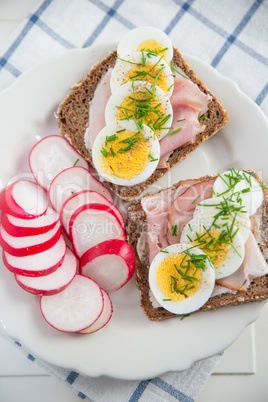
73 116
137 225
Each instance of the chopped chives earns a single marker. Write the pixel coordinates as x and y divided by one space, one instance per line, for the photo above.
127 61
143 59
202 117
173 69
110 138
152 159
174 231
174 131
185 315
112 151
104 152
196 199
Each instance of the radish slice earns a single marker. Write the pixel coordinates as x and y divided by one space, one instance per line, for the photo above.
24 199
52 283
91 224
50 156
30 227
75 308
110 263
72 180
39 264
29 245
104 318
82 198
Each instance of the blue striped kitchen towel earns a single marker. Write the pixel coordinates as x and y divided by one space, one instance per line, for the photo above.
231 36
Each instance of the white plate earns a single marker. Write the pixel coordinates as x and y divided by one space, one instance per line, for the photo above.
131 346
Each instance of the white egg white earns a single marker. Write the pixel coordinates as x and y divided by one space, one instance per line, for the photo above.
245 187
191 303
236 252
218 207
112 129
134 38
123 66
130 88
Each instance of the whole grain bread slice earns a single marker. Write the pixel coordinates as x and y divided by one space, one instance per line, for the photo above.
136 229
73 118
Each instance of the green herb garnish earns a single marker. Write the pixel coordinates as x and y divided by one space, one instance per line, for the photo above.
152 159
110 138
104 152
174 231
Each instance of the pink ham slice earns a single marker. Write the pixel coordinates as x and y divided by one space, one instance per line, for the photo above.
253 266
186 92
97 109
188 104
156 208
182 209
190 127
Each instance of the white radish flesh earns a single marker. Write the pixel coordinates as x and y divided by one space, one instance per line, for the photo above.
52 283
24 199
72 180
39 264
28 245
82 198
104 318
91 224
50 156
30 227
111 264
75 308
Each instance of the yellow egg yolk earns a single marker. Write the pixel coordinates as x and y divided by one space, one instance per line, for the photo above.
126 156
145 108
178 278
209 243
148 73
153 46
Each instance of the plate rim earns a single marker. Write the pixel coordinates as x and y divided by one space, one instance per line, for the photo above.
41 64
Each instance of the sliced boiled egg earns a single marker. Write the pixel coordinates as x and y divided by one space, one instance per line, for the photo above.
241 187
126 153
223 244
147 39
224 212
141 101
141 67
181 279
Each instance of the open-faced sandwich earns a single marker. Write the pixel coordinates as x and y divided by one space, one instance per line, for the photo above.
201 244
139 112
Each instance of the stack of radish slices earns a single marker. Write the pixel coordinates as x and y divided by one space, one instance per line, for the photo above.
73 281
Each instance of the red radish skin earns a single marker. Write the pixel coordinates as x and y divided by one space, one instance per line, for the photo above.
29 245
104 318
72 180
91 224
24 199
30 227
39 264
52 283
110 263
82 198
75 308
50 156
